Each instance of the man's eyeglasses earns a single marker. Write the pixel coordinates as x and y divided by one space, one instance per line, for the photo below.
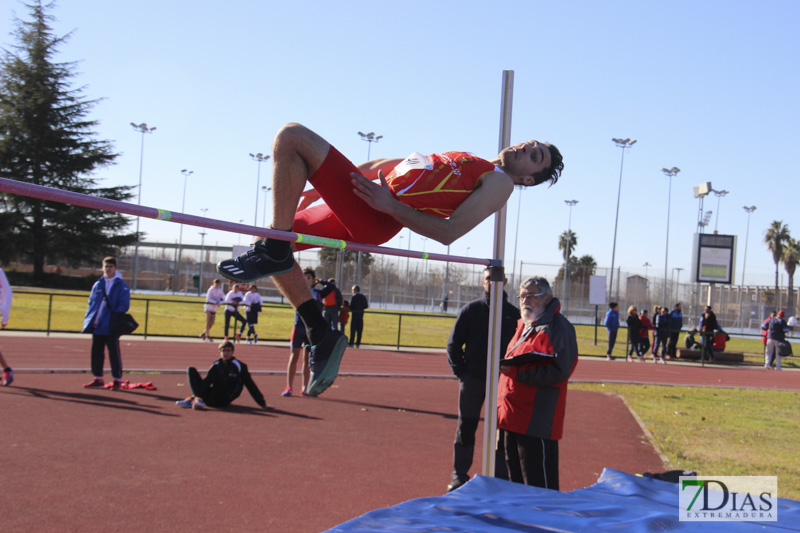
527 297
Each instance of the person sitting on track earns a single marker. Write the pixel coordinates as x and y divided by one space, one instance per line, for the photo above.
441 196
223 383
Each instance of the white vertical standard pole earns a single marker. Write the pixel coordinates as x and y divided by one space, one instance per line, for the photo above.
496 296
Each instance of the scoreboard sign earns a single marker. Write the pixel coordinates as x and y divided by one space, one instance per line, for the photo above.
713 258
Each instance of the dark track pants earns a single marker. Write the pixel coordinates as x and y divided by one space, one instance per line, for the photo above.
532 461
471 393
99 344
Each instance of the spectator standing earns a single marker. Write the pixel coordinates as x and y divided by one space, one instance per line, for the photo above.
467 349
253 302
358 304
109 295
675 325
634 335
6 295
214 297
644 333
776 334
344 315
532 397
661 334
611 322
764 330
445 303
233 300
299 342
331 301
708 325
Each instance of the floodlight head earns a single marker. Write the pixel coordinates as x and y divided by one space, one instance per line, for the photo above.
702 190
631 142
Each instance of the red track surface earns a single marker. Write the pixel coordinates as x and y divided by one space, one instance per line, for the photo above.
84 460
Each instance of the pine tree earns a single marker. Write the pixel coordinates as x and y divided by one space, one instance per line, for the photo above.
47 139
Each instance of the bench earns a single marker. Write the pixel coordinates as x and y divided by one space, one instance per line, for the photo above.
722 357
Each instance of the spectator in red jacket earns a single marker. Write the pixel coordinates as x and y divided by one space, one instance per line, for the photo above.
644 333
532 396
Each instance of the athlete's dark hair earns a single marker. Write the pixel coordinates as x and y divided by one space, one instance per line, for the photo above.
226 344
309 270
553 172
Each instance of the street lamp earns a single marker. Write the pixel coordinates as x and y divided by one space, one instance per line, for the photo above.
141 128
744 260
571 204
677 283
670 173
370 138
620 143
719 195
186 174
261 158
266 190
202 254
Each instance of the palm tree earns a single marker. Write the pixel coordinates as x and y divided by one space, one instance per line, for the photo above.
791 254
775 238
567 242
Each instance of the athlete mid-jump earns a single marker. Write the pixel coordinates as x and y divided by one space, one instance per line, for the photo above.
440 196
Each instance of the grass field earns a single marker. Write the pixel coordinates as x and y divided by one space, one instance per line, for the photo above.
183 316
720 432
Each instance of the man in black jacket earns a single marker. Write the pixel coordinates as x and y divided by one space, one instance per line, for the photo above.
466 352
224 382
358 303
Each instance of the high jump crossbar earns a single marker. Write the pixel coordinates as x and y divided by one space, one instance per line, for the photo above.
85 200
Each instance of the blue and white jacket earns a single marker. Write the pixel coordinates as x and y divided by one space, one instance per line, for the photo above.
98 314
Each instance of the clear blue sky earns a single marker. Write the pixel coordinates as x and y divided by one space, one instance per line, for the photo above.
708 86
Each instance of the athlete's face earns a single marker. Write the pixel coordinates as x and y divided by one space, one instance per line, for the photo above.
309 279
524 160
226 353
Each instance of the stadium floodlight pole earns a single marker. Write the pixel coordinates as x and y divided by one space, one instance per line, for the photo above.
719 195
670 173
141 128
677 283
186 174
749 210
370 138
266 190
260 158
621 143
202 254
571 204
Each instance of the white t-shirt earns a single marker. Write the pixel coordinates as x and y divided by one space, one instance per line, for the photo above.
214 297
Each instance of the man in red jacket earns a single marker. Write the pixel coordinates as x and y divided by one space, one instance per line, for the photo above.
532 396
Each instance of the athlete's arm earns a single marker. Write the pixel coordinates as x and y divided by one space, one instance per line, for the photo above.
370 169
493 192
